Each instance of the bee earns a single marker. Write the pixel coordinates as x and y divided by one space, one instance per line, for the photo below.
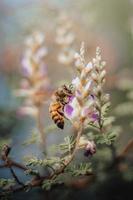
60 99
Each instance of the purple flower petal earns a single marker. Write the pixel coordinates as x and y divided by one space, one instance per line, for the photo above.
86 112
43 70
76 82
71 98
26 69
95 116
92 96
90 149
68 110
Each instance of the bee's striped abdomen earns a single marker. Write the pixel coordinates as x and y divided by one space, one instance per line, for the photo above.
57 114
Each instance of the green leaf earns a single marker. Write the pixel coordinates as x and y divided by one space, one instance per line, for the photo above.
31 172
50 128
107 138
33 139
6 183
81 169
64 147
67 146
108 120
47 184
34 162
4 141
43 162
105 108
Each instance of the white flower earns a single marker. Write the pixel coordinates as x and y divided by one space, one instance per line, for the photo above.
66 57
89 67
40 53
32 111
29 41
76 82
39 37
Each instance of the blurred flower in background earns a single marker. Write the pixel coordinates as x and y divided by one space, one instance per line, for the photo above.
35 86
65 39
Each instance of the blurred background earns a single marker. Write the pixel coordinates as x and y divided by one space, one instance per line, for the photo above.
104 23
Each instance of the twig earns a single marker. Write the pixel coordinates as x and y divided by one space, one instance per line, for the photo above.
15 177
117 159
38 180
8 162
126 149
72 155
12 163
18 165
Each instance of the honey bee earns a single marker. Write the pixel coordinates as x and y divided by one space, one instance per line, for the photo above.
60 99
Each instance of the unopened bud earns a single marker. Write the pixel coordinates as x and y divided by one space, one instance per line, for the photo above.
94 77
103 73
90 149
98 90
106 98
103 63
89 67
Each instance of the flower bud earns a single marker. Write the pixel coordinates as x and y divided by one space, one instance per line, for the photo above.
98 90
94 60
89 67
87 89
94 77
90 149
102 75
103 63
106 98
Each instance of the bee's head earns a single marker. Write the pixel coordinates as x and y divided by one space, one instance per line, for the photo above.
63 93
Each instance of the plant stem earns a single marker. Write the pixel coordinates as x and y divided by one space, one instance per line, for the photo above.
38 180
80 129
100 115
15 176
13 164
40 125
